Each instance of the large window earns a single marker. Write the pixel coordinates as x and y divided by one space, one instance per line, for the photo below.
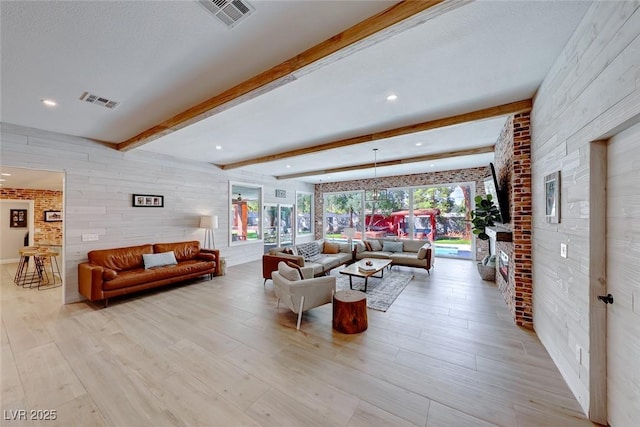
385 217
304 213
246 212
439 214
341 211
450 229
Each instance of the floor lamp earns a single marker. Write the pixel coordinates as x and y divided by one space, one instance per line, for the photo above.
209 223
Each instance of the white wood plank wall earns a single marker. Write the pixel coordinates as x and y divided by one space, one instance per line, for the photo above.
590 93
99 182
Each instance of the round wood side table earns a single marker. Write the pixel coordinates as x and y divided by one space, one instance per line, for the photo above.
350 311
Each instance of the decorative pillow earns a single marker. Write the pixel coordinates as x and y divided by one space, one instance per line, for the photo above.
344 248
159 260
367 245
330 248
392 247
422 252
109 274
360 247
288 251
288 273
297 267
376 246
309 251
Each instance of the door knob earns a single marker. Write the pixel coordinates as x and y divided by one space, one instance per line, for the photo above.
607 299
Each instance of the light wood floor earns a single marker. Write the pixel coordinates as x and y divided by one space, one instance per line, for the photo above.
218 353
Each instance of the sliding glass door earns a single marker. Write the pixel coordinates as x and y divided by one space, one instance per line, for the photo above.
439 214
278 225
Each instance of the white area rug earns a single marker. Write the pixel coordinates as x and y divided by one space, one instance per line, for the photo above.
381 293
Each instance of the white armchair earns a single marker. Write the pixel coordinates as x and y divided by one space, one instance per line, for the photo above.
301 293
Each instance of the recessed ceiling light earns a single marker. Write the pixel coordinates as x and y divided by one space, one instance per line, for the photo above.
5 174
418 144
392 97
432 165
218 147
49 102
2 180
288 166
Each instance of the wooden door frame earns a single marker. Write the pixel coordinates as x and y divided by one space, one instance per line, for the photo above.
597 282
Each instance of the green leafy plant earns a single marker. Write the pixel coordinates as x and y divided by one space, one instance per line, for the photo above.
485 215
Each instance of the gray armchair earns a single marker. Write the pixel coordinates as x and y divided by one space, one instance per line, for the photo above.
300 293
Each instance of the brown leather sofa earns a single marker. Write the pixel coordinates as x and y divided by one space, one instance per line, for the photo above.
120 271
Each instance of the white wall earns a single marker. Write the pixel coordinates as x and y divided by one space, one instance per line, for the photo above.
592 92
99 182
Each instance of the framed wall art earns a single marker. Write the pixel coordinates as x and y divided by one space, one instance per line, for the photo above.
52 216
18 218
552 197
147 201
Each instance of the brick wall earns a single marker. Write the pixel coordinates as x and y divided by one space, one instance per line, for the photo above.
476 175
44 200
513 168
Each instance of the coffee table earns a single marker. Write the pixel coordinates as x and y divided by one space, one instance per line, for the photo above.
353 270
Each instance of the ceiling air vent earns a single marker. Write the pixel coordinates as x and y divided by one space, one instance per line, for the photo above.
98 100
230 12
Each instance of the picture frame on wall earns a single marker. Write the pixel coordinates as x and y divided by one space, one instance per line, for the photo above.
17 218
52 216
552 197
147 201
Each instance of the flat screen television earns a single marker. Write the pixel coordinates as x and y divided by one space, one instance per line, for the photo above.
498 195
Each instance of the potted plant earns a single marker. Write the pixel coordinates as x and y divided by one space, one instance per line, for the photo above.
485 215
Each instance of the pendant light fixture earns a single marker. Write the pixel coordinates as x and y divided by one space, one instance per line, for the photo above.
377 193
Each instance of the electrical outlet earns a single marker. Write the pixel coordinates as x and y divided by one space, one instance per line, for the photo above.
563 250
89 237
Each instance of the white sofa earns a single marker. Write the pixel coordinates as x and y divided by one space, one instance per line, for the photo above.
410 253
320 256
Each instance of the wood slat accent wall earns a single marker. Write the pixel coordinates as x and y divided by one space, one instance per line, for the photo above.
99 185
591 92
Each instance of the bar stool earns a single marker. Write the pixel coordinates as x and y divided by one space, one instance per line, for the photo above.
23 276
23 264
44 256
